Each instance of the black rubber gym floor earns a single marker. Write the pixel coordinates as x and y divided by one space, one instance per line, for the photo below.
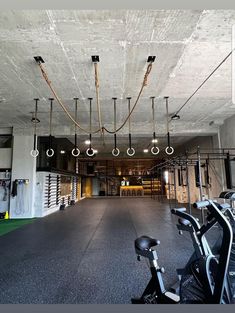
85 254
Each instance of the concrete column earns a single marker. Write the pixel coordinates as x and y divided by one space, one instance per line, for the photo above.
23 167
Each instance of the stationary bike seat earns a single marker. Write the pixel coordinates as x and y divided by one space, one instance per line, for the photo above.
183 221
145 243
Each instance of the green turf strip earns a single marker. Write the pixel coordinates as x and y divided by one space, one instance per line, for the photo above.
7 226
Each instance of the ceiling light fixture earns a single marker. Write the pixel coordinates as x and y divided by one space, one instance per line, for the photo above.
87 142
146 150
75 152
50 152
62 151
115 151
155 150
34 152
130 151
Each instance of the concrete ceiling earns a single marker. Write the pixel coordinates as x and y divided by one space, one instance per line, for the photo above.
188 45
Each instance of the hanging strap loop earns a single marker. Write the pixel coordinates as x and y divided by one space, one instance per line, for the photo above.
50 152
34 152
75 152
169 149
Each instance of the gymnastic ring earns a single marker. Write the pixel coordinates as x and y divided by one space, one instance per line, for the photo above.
90 154
155 152
50 152
115 153
130 153
171 150
34 153
75 154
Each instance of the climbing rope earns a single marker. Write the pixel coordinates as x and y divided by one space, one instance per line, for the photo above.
101 128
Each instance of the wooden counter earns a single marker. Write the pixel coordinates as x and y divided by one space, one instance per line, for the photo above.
131 191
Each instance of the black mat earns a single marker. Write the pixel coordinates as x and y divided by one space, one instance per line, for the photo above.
85 254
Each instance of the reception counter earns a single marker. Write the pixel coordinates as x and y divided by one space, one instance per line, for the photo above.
131 191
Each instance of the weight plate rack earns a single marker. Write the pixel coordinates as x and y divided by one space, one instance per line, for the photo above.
52 191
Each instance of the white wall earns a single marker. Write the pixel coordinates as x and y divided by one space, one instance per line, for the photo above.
5 158
23 167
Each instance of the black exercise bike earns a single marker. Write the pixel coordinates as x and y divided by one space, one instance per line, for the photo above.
204 277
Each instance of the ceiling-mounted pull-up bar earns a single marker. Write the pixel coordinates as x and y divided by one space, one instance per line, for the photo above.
34 152
115 151
75 152
50 152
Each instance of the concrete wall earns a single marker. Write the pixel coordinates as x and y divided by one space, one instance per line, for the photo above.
5 158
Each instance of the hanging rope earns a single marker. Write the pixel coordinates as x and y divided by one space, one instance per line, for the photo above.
97 95
144 83
44 74
101 128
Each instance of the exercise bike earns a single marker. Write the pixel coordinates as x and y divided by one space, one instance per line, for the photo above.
201 246
204 279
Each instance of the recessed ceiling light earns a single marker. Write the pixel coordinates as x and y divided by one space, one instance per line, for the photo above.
62 151
145 150
95 151
87 142
154 140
